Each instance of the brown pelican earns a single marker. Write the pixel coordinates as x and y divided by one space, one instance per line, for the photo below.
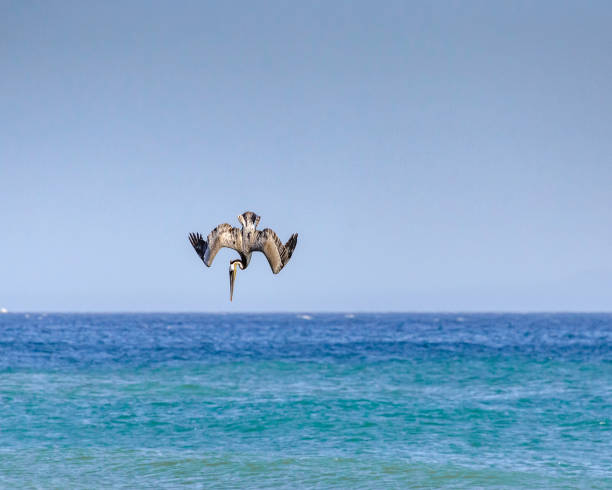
245 242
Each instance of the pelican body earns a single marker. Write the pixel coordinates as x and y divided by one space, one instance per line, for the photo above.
245 241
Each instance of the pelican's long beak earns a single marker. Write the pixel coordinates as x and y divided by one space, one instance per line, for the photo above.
232 274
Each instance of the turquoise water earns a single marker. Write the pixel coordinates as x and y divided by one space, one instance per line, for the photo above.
326 401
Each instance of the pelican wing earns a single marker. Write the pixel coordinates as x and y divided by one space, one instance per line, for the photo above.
223 235
277 254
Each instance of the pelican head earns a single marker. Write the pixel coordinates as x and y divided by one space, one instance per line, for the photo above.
234 264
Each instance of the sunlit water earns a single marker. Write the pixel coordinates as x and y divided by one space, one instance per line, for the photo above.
305 400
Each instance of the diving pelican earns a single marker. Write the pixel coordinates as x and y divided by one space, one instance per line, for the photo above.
245 242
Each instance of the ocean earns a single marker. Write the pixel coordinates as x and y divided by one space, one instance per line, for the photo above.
305 400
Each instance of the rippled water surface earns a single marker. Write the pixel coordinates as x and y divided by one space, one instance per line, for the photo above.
305 400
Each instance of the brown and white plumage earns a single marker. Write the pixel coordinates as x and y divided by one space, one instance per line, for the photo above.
245 241
278 255
223 235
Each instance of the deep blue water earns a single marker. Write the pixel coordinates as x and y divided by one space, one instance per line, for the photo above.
292 400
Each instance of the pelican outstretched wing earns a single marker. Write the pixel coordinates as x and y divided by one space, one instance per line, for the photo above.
223 235
277 254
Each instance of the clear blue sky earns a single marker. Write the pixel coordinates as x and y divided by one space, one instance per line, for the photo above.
431 155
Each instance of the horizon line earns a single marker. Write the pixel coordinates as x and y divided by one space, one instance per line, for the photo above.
314 312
